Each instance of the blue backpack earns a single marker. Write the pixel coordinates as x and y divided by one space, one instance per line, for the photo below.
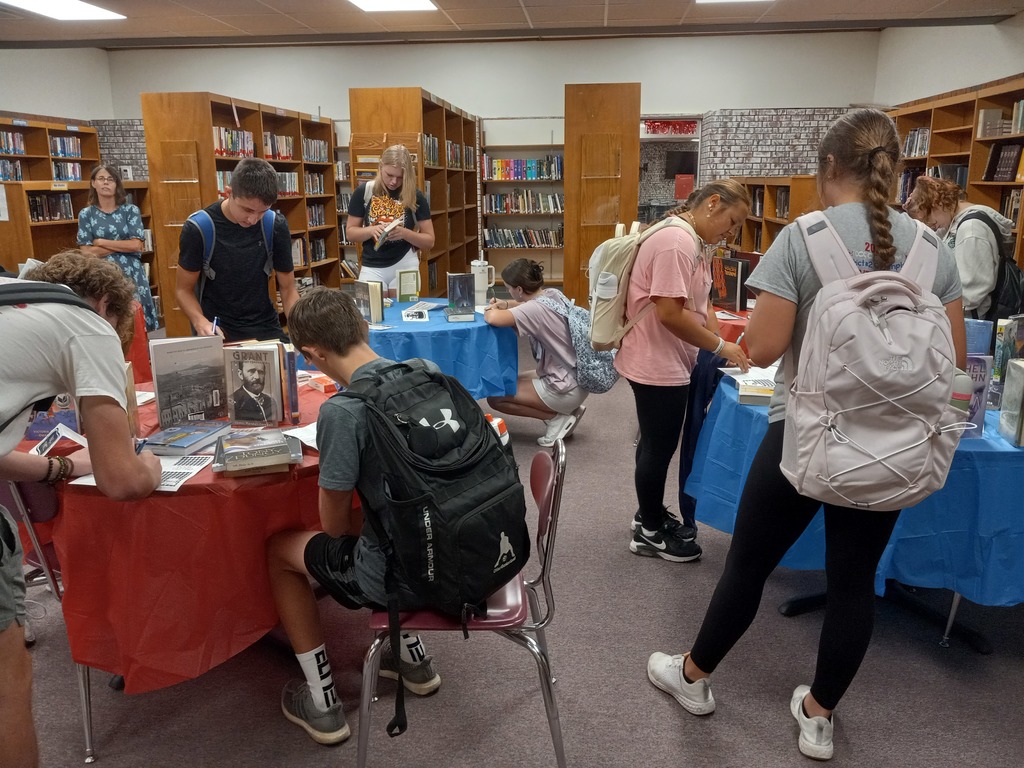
595 371
204 223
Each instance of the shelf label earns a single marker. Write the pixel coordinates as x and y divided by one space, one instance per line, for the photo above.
279 111
59 186
73 128
23 123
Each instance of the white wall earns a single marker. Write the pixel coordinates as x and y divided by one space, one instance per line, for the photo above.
73 83
918 63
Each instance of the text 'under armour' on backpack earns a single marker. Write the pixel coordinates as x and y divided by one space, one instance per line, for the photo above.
868 419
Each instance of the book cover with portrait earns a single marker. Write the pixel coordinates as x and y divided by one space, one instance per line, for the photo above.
253 373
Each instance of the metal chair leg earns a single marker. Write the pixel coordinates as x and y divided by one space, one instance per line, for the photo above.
371 669
542 639
546 689
84 692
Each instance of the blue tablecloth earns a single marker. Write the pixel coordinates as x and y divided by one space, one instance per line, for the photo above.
967 537
483 358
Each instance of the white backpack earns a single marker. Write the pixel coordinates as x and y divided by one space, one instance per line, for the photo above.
868 419
610 267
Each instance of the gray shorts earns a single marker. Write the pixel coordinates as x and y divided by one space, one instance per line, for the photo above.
12 575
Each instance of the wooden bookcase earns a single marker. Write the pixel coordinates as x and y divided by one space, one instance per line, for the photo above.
952 124
522 204
193 140
445 141
775 202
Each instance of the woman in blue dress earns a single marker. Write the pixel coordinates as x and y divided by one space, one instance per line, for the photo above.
110 228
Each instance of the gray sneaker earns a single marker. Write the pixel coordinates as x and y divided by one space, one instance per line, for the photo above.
419 678
323 727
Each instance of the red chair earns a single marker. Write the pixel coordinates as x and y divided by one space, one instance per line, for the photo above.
513 611
32 503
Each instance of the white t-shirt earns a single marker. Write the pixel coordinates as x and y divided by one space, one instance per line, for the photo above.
48 349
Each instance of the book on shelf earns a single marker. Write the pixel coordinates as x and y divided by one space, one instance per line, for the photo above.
350 267
245 452
188 379
369 298
729 283
979 368
461 293
1009 160
1011 412
187 438
254 373
989 123
408 284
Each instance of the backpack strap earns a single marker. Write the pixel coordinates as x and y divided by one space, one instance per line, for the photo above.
367 196
829 255
1002 255
268 221
922 259
671 221
204 223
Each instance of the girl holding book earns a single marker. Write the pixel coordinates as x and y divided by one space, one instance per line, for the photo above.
111 228
549 393
373 210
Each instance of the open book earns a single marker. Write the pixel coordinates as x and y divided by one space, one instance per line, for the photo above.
384 233
755 386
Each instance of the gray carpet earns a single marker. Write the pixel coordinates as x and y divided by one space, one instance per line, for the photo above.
913 704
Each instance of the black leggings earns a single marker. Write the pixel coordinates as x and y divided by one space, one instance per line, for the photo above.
660 412
771 516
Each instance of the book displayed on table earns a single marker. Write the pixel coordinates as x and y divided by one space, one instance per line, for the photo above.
461 288
186 438
61 411
729 283
251 452
188 379
979 368
408 284
1011 414
369 298
254 373
756 386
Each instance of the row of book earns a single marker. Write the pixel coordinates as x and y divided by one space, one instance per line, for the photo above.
341 201
955 172
233 142
495 237
1005 163
757 202
10 170
782 203
993 124
1010 204
342 170
757 207
50 206
431 151
523 201
453 154
317 249
12 143
315 150
223 181
314 183
64 171
299 257
549 168
316 214
65 146
906 183
288 184
916 142
278 147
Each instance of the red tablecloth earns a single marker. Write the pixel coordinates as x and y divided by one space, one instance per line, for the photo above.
164 589
729 329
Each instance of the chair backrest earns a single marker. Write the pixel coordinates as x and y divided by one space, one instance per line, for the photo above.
547 474
32 503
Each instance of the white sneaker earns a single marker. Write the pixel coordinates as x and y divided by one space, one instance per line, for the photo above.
577 416
666 672
815 732
557 426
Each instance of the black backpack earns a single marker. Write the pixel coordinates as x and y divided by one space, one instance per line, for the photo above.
1008 295
457 510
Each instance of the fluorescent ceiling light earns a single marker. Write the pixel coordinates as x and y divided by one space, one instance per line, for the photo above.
702 2
394 5
64 10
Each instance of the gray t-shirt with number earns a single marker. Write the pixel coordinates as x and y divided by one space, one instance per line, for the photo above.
786 271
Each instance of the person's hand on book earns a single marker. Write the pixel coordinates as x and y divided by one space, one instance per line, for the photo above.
734 354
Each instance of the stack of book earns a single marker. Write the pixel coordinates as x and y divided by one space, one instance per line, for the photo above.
187 438
255 452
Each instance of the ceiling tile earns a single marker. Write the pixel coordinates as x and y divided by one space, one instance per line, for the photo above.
356 23
266 24
504 16
568 17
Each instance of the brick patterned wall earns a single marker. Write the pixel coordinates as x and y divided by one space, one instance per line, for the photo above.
123 142
653 184
762 142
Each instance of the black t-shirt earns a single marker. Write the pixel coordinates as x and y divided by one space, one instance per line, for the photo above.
382 211
238 296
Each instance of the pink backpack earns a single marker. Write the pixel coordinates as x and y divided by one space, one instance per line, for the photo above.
868 419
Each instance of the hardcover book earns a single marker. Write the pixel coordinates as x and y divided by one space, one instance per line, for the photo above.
186 438
188 379
729 283
254 374
461 290
253 449
61 411
1011 415
369 299
408 284
979 368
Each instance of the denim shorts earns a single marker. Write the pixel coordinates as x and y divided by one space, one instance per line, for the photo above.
12 575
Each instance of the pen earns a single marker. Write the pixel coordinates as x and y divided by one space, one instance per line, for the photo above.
215 321
139 446
740 338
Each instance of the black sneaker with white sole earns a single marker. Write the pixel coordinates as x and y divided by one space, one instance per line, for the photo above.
666 545
678 529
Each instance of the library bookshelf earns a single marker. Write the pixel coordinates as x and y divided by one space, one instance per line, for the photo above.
958 136
194 141
522 203
44 171
445 141
775 202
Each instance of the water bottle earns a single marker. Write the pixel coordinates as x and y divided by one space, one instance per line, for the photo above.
963 389
498 424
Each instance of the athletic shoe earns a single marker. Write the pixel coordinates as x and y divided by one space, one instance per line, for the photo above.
665 545
815 732
678 529
558 426
666 672
571 426
419 677
30 635
323 727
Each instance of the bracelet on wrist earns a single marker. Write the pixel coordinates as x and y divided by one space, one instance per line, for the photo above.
49 470
720 347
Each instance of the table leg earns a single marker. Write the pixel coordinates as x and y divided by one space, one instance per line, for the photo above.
944 642
905 596
798 605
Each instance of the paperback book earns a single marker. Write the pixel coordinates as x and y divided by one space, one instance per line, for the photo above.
186 438
756 386
383 236
61 411
254 373
188 379
369 298
408 284
1011 415
461 289
729 283
979 368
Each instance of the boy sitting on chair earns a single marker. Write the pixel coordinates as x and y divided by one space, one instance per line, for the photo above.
326 327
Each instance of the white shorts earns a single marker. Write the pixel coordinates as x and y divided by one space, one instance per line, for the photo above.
389 275
559 402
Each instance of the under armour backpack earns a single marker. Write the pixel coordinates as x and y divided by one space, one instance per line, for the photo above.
1007 297
595 371
454 526
610 267
868 419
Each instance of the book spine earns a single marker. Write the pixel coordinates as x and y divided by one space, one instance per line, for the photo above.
293 386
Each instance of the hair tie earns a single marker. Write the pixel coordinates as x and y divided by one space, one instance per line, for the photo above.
875 151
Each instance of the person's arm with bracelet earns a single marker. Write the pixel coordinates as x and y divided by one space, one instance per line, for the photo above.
120 473
28 467
672 314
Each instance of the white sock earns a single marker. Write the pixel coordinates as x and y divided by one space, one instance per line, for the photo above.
317 670
413 650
